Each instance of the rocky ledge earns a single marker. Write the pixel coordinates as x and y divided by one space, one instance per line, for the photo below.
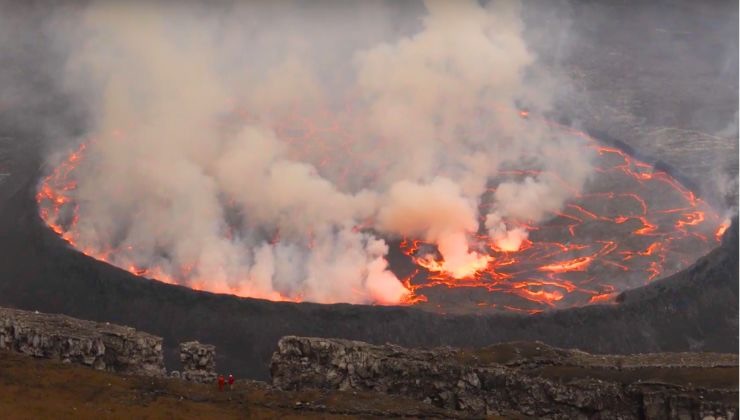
102 346
529 379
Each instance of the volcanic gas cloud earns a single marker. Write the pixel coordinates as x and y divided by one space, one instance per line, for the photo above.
275 150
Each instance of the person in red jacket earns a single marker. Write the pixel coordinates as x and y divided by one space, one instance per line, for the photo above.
231 381
221 382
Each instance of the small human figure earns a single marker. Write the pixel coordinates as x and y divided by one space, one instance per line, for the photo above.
221 382
231 382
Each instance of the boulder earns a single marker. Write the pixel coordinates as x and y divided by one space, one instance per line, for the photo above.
198 362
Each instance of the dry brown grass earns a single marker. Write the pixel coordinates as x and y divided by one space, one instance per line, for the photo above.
43 389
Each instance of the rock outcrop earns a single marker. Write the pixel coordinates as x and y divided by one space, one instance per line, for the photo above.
198 362
102 346
528 379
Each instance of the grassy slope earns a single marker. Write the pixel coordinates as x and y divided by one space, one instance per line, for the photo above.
35 389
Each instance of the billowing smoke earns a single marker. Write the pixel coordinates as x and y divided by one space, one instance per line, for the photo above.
255 150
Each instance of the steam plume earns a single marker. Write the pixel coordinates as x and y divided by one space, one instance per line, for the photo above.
240 150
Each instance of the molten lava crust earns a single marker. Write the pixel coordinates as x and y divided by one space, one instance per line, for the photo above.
632 225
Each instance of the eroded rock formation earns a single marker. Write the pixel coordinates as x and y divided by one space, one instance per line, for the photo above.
198 362
102 346
519 378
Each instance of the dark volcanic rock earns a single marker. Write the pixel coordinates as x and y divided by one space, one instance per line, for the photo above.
528 378
101 346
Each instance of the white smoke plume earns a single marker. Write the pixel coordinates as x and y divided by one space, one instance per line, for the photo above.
250 149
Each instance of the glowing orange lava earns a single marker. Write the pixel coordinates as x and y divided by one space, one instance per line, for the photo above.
604 241
634 226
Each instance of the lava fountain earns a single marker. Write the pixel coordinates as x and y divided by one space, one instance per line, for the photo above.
631 225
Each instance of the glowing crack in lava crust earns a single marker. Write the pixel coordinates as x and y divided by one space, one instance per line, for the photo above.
631 225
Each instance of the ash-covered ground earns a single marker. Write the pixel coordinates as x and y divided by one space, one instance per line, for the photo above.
659 78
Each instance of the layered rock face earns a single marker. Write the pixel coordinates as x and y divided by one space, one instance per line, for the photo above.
198 362
102 346
528 379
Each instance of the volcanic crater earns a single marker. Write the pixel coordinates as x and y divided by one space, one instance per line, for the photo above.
644 71
632 224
